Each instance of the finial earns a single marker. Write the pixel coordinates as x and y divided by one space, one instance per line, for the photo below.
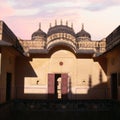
71 25
61 22
50 25
40 26
55 22
82 26
66 23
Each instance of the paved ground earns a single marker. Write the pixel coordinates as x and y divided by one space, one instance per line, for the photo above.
61 110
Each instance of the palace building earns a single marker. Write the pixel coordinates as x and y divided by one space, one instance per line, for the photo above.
59 64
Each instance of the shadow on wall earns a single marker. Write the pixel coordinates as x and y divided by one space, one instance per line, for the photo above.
23 66
99 91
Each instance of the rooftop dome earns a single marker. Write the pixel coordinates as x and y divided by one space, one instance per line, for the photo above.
38 33
61 29
83 33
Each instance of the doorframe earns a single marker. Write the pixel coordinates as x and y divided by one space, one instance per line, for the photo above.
55 95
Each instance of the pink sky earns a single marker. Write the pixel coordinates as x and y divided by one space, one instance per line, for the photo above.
100 17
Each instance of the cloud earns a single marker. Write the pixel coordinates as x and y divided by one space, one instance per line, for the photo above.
86 4
26 12
46 5
96 5
50 8
5 9
23 16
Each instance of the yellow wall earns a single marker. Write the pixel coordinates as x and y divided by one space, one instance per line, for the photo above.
88 79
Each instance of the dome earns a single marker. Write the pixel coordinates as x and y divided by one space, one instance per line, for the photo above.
83 33
61 29
38 33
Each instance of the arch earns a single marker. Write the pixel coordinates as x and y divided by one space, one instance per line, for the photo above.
61 45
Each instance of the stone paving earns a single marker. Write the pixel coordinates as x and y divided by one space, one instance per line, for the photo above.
59 105
60 110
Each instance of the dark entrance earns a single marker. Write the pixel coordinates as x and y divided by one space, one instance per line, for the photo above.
8 86
57 86
114 89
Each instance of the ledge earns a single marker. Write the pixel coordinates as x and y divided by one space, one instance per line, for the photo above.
4 43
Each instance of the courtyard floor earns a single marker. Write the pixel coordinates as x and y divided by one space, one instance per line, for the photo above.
60 110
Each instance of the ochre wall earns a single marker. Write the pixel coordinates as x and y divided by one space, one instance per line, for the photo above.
7 66
88 79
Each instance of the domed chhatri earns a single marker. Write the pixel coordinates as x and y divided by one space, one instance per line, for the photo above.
83 33
61 29
39 33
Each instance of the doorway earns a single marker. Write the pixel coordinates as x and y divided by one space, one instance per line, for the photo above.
57 85
58 82
8 86
114 89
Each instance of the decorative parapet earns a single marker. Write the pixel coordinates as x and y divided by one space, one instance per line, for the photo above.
61 38
102 46
96 46
81 47
32 44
